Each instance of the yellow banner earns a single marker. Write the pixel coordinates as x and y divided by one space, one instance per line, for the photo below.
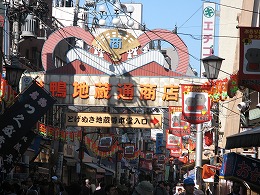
152 121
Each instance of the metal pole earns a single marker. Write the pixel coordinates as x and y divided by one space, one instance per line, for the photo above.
6 34
199 146
76 11
81 151
216 117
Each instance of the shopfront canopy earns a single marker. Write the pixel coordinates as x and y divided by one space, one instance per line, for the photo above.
95 166
249 138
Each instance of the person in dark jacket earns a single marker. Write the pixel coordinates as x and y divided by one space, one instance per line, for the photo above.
160 189
86 188
100 191
235 188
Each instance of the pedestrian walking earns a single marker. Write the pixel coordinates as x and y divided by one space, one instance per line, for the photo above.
143 188
101 190
160 189
188 185
86 188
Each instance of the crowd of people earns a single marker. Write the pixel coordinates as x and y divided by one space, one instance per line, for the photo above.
90 187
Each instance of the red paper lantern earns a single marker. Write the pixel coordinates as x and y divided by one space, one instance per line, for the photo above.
208 136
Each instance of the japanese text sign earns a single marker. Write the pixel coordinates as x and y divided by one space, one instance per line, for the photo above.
14 155
173 142
195 104
177 126
208 31
21 116
249 65
114 120
159 143
241 167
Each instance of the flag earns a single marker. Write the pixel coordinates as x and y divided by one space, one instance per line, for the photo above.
14 156
18 119
195 104
207 171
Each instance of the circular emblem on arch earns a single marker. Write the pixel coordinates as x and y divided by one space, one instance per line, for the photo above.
174 40
59 35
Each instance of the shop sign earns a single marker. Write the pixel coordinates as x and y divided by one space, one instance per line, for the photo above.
178 126
114 120
159 143
240 167
249 66
208 31
195 103
20 117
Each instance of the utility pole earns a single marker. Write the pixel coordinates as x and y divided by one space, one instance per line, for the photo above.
76 11
216 139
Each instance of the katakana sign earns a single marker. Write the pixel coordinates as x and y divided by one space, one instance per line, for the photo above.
153 121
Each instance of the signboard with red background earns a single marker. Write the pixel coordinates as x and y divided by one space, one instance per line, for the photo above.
195 103
173 143
249 66
177 126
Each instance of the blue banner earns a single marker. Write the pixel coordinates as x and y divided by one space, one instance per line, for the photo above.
239 167
159 143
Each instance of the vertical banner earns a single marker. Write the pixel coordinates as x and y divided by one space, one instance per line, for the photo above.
249 65
129 150
159 143
173 142
208 31
15 154
21 116
105 143
177 126
195 103
149 156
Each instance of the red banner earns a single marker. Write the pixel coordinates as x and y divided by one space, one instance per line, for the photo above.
129 150
105 143
173 142
177 126
176 153
195 103
249 65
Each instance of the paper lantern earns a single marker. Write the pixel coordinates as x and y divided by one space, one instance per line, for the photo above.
208 136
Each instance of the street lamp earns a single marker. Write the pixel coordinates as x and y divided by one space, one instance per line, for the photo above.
13 75
212 65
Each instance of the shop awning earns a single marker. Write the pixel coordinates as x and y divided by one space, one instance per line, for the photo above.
249 138
108 170
94 166
70 161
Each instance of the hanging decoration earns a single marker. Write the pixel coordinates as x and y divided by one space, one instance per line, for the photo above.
222 89
208 138
115 147
105 143
177 126
129 150
232 85
195 103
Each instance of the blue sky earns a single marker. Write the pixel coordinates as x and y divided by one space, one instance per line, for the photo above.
185 14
